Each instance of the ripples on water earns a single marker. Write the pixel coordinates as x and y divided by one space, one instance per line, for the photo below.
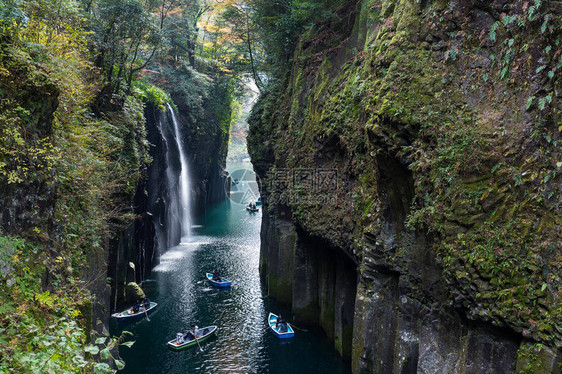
227 239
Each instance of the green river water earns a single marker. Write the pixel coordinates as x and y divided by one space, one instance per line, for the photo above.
227 238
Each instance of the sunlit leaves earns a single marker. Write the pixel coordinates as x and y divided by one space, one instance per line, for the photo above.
42 337
128 344
45 299
91 349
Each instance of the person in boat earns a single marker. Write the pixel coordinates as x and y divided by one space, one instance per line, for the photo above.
189 334
216 275
193 333
146 303
136 307
281 325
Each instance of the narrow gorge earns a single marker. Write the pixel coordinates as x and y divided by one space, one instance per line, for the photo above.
406 156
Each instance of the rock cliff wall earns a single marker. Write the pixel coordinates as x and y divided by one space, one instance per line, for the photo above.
207 128
204 132
410 172
146 238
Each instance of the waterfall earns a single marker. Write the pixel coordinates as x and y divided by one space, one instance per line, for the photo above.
182 183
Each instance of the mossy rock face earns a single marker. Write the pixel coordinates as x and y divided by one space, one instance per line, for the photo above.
28 100
449 96
537 359
281 290
86 321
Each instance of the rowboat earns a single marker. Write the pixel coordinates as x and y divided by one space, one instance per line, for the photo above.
272 320
252 210
181 341
221 283
259 201
129 314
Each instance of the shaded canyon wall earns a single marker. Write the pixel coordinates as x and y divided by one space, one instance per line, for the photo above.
156 227
410 173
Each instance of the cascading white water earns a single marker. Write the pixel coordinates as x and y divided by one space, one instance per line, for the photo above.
183 183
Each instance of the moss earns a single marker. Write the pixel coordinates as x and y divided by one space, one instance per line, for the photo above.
346 342
86 320
434 99
279 289
152 95
358 341
534 359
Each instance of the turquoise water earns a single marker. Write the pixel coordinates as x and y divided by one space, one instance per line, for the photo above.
227 239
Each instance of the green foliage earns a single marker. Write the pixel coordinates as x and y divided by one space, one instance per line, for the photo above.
151 94
50 137
40 329
529 360
11 15
126 35
190 85
282 22
493 31
103 162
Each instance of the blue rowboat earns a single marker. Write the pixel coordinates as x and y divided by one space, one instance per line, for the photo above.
272 320
252 210
129 314
221 283
181 341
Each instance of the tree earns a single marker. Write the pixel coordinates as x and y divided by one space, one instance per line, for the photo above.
182 29
241 19
127 36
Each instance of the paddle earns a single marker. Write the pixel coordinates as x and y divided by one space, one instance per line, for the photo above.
298 328
262 331
199 345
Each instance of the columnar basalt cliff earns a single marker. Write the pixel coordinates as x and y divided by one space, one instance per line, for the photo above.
207 128
410 171
56 200
154 228
146 238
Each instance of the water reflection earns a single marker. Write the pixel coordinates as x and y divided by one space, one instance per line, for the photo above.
227 239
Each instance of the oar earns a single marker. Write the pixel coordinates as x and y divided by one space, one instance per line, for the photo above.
298 328
199 344
262 331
